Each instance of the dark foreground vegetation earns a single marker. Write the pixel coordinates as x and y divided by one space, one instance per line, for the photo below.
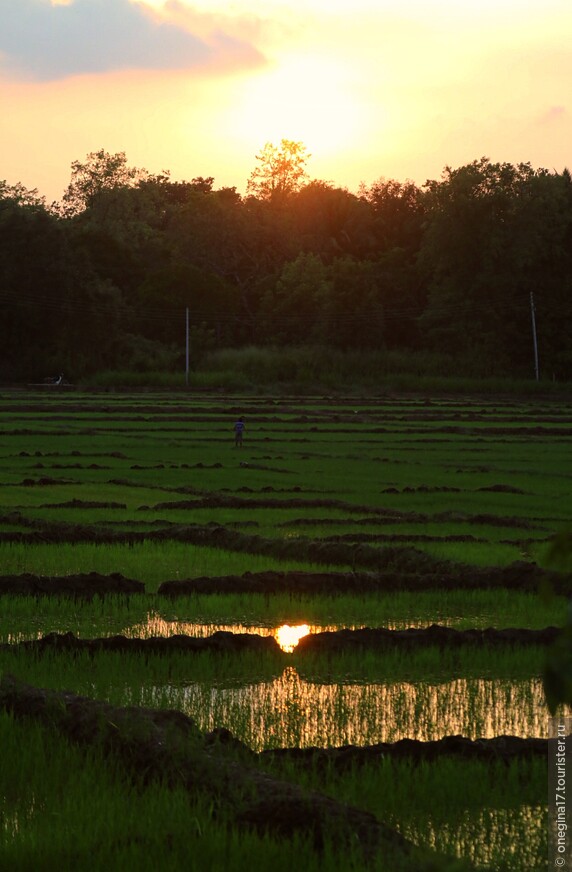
448 272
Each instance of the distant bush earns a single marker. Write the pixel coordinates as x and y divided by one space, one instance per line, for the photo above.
314 369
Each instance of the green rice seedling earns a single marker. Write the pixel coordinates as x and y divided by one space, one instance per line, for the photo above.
396 610
110 675
147 561
293 712
428 662
33 617
472 553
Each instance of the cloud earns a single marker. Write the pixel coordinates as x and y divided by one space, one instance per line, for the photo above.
45 42
555 113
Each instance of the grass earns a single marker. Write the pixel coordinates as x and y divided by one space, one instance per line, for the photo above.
312 366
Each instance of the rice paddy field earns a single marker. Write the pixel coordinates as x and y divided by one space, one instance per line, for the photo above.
149 564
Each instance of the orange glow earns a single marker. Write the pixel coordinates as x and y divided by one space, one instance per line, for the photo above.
288 637
306 99
371 88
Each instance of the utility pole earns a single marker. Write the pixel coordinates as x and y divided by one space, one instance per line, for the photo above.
533 315
187 346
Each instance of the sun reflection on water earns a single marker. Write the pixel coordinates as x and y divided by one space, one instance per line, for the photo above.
287 636
155 624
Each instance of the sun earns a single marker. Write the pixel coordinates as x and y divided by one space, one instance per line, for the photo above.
304 99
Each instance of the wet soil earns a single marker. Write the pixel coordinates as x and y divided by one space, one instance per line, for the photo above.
83 504
380 639
518 576
219 643
500 748
85 586
220 501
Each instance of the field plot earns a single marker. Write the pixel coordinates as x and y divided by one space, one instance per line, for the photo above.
147 562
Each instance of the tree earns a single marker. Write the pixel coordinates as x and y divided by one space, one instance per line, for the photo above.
101 171
403 296
165 294
21 196
56 313
280 172
353 313
331 221
557 672
398 213
493 233
291 309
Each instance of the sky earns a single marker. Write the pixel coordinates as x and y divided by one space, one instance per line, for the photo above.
394 89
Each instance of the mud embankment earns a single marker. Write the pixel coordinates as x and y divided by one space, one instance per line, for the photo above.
501 748
417 572
522 577
85 586
326 643
437 636
221 642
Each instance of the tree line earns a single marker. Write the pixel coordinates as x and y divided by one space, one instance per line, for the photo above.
102 279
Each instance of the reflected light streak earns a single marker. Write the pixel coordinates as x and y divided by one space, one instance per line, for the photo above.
291 711
483 835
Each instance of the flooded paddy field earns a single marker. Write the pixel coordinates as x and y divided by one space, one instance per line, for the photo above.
336 514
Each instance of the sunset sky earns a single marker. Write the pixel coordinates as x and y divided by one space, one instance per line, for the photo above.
374 88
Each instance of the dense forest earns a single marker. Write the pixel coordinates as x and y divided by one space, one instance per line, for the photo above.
103 278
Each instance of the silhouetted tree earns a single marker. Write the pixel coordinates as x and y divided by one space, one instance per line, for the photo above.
99 172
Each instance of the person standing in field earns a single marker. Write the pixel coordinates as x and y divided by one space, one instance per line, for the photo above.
238 431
